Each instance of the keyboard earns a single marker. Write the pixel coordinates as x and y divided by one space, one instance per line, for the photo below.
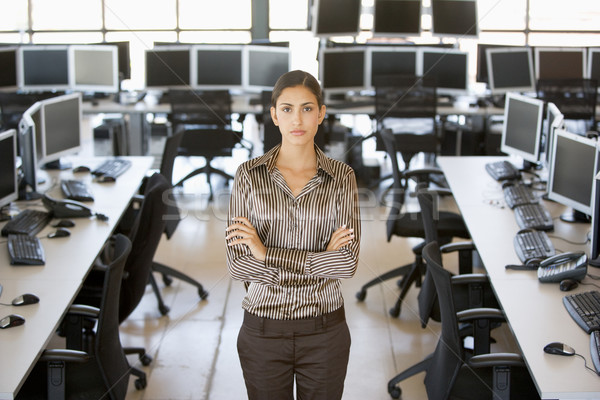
595 350
531 243
518 194
584 308
28 222
502 170
25 250
533 216
112 167
76 190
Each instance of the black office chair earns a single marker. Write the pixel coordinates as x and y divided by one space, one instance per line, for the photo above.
410 224
93 365
451 372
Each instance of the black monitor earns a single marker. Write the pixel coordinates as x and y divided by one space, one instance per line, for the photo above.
263 65
522 129
454 18
482 68
28 125
554 120
9 186
594 258
168 67
396 60
44 68
510 69
572 172
8 69
448 67
397 18
336 17
94 68
594 63
343 69
217 67
560 62
124 56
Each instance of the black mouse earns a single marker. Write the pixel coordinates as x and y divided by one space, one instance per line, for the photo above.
25 299
568 284
106 178
11 320
60 232
81 168
559 348
64 223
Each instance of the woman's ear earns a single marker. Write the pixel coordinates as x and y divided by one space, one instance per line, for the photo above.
322 113
274 116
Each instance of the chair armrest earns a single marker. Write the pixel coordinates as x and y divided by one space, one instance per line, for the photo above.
474 314
457 246
496 359
65 355
420 172
467 279
83 310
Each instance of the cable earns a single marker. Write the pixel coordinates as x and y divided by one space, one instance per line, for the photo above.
585 363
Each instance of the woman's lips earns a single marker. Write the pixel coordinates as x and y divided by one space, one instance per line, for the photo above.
297 132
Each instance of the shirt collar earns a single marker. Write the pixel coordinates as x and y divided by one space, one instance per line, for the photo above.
269 160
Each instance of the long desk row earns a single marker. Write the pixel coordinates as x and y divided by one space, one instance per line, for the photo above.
68 261
534 310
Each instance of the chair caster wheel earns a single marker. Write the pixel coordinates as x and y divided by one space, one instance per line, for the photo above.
140 383
361 295
167 280
164 310
203 294
395 312
395 392
146 360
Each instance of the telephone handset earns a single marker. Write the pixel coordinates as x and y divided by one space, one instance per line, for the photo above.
571 265
66 208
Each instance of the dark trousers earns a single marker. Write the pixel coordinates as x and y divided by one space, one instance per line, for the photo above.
315 351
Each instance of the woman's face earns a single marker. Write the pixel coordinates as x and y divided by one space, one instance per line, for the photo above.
297 115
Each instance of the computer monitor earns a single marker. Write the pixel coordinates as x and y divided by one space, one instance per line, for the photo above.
397 18
454 18
8 69
217 67
60 130
571 176
168 67
594 63
94 68
28 125
594 258
263 65
343 69
44 68
510 69
522 129
9 185
554 120
336 17
560 62
393 60
449 68
124 56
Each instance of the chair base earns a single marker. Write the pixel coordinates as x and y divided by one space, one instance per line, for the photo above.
208 170
168 273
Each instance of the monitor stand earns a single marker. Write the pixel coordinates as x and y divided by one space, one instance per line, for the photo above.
58 165
575 216
25 194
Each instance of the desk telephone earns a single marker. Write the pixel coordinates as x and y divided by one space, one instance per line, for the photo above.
65 208
571 265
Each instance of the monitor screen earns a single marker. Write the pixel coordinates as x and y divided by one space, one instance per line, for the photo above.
482 68
94 68
336 17
392 61
510 69
263 66
168 67
335 75
217 67
594 258
124 56
554 120
448 67
397 17
559 63
60 132
454 18
8 69
573 170
28 125
594 63
9 189
45 68
522 129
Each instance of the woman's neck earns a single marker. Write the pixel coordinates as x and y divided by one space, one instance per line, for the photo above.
297 158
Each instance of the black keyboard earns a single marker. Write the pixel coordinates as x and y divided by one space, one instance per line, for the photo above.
530 243
595 350
76 190
518 194
502 170
584 308
533 216
112 167
28 222
25 250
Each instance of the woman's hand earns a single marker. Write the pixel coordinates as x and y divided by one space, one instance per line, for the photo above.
341 237
242 232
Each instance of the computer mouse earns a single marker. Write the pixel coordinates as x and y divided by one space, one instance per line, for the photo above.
559 348
11 320
568 284
60 232
81 168
106 178
25 299
64 223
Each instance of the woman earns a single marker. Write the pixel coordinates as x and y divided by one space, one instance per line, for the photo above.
293 232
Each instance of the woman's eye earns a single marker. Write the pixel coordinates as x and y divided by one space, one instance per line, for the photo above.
307 109
286 109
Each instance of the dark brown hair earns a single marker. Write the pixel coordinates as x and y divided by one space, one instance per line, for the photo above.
297 78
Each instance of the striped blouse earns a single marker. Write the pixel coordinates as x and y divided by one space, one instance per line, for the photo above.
298 278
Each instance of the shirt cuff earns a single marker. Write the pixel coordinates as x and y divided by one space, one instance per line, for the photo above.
287 259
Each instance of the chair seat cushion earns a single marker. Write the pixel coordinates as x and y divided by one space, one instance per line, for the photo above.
411 225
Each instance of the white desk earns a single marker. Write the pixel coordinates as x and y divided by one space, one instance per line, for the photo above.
534 310
68 261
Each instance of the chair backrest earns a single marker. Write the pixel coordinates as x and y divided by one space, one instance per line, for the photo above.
200 107
405 97
575 98
167 162
108 351
145 236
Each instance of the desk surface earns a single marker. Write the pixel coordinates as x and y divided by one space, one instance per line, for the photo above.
68 261
534 310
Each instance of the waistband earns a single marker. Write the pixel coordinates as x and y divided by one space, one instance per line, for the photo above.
294 325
